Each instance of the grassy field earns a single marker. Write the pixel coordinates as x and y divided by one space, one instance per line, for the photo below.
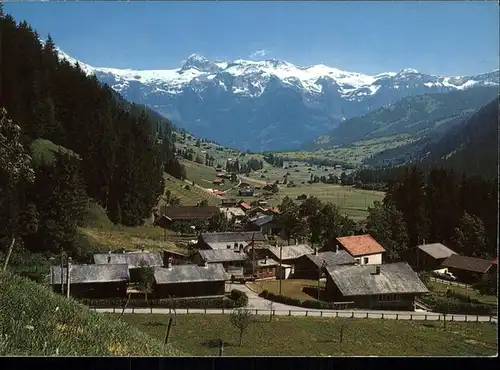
290 288
36 322
356 152
189 197
473 294
311 336
352 202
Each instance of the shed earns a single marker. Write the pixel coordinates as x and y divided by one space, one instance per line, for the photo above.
290 254
309 265
190 281
388 286
92 281
428 257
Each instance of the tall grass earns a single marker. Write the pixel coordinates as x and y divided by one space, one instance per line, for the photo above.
36 322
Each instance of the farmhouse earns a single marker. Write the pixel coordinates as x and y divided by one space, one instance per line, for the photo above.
309 266
229 202
235 213
172 214
429 257
267 225
392 286
232 260
266 268
466 269
92 281
189 281
175 258
289 256
246 192
132 259
365 249
222 240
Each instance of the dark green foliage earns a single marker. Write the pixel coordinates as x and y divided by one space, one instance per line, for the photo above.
452 305
239 297
488 284
178 303
65 116
295 302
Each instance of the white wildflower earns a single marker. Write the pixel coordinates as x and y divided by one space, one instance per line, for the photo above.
57 308
30 327
57 351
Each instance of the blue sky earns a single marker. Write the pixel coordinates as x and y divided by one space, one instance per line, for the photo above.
449 38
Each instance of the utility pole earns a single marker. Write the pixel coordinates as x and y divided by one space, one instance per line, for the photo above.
253 254
281 266
68 267
62 272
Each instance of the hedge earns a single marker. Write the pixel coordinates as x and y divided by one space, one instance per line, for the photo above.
455 306
162 303
294 302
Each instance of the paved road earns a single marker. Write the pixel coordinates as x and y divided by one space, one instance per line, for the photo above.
391 315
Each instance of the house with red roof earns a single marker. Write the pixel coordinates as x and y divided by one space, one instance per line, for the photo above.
364 248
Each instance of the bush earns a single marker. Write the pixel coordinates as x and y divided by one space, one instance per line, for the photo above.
162 303
295 302
239 297
451 305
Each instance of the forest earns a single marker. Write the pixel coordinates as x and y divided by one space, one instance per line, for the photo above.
110 152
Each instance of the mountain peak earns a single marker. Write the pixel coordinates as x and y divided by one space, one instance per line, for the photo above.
199 62
408 71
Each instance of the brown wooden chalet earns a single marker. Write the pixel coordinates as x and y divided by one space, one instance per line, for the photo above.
172 214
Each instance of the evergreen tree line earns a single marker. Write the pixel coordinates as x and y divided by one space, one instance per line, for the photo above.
274 160
121 149
244 167
437 207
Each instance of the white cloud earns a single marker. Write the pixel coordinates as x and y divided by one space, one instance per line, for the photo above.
260 53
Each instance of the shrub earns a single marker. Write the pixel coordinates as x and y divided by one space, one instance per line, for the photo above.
239 297
295 302
162 303
454 306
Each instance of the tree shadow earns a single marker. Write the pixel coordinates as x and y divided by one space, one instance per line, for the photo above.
215 343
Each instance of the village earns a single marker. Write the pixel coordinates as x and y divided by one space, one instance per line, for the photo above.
348 272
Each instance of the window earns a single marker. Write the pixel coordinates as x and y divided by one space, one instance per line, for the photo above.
358 261
365 260
389 298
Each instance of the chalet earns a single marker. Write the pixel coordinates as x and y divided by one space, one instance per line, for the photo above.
235 213
265 224
309 266
266 268
244 206
190 281
392 286
288 256
172 214
428 257
365 249
132 259
466 269
246 192
229 202
222 240
175 258
92 281
231 259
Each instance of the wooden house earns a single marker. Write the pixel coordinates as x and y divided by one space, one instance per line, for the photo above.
175 258
267 225
310 266
233 239
172 214
466 269
288 256
392 286
190 281
132 259
428 257
229 202
232 259
92 281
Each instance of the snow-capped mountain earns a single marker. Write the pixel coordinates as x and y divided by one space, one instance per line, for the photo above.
270 104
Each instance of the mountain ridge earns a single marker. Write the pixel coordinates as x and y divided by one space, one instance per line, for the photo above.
270 104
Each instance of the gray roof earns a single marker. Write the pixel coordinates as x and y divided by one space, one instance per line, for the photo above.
218 246
436 250
259 221
222 255
132 259
291 252
332 258
267 262
190 274
394 278
231 237
231 212
80 274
